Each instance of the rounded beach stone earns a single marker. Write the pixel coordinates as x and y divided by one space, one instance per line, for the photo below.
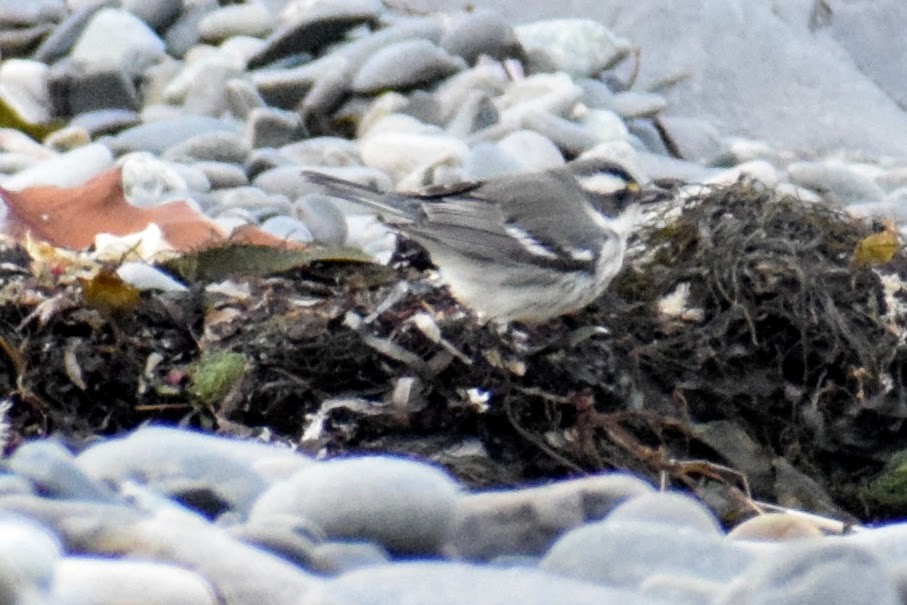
251 19
52 470
486 160
95 89
445 583
68 169
527 521
183 463
481 32
17 13
670 508
323 151
23 86
630 104
28 552
775 528
158 14
99 581
321 215
287 228
696 139
321 24
405 64
532 150
836 181
117 39
270 127
399 154
626 553
222 175
814 573
105 121
222 146
406 506
65 34
158 136
580 47
238 572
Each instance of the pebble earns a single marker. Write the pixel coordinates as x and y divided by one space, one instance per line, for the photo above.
836 181
64 36
180 464
225 105
489 159
815 573
401 155
579 47
287 228
148 181
481 32
23 86
82 91
158 136
158 14
406 507
222 175
267 127
28 553
630 104
235 20
775 527
527 521
28 13
693 139
456 583
222 146
531 150
117 39
313 29
184 34
65 170
52 471
97 581
322 217
403 65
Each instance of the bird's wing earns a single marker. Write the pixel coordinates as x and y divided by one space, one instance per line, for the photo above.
542 218
519 219
474 226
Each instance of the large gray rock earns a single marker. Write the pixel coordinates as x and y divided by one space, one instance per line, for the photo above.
767 70
871 31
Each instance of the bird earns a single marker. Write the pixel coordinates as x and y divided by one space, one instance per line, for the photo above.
521 247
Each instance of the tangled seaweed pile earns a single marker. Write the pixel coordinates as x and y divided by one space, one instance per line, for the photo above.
744 353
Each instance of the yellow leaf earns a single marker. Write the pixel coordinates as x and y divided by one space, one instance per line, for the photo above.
109 294
878 248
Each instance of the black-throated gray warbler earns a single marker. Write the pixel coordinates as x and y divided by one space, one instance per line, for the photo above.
520 247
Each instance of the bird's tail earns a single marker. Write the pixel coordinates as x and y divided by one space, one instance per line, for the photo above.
392 207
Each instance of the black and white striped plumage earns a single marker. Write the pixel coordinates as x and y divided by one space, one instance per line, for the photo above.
521 247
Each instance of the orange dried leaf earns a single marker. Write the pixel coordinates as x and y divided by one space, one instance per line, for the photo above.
71 217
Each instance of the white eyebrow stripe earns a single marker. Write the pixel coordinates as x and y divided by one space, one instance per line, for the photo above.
581 254
529 243
602 183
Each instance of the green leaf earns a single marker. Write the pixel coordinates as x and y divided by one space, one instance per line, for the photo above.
220 262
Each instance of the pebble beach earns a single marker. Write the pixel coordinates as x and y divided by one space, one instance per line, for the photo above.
151 128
